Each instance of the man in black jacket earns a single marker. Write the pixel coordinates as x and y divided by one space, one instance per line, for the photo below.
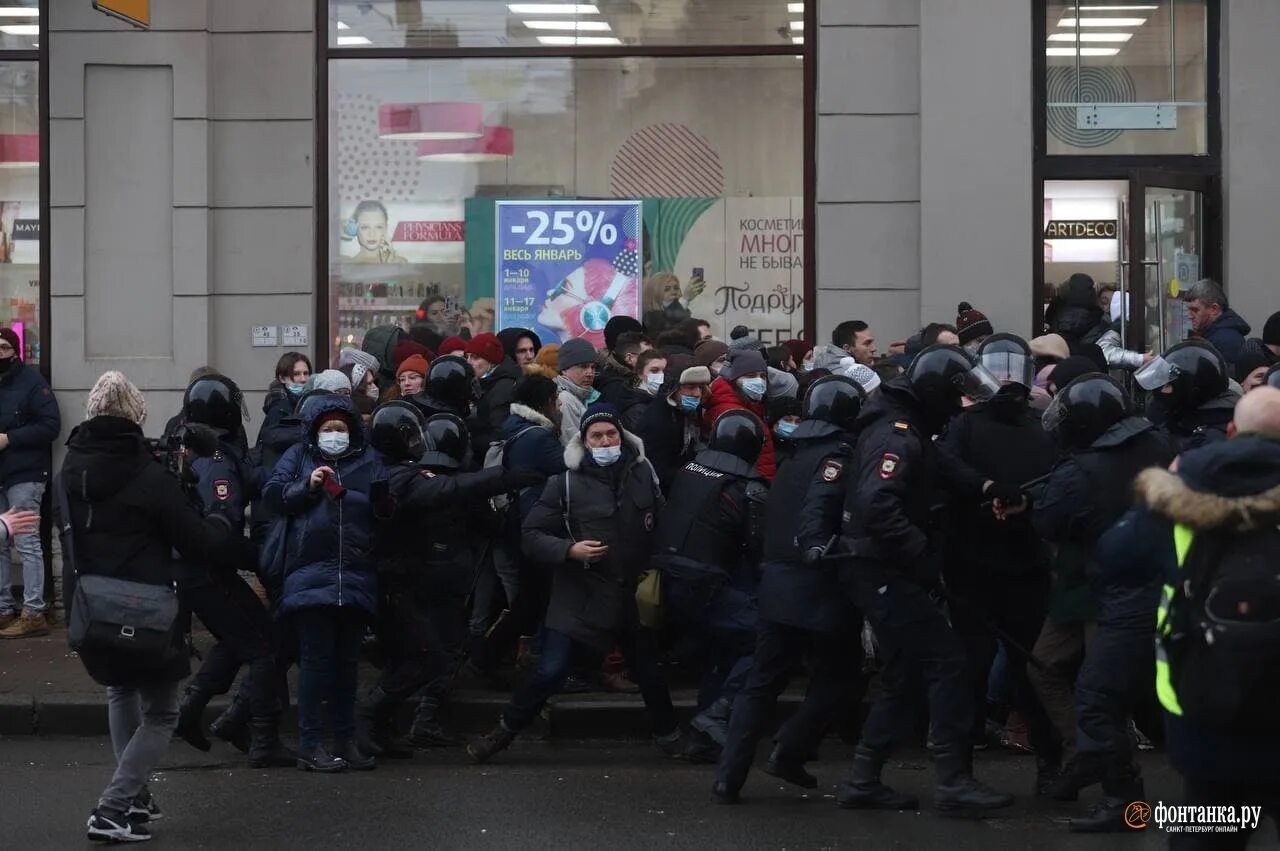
1191 400
126 516
892 568
802 607
497 375
709 543
416 644
671 426
29 423
997 570
1088 491
595 524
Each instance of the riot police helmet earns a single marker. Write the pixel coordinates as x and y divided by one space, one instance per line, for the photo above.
1193 371
447 437
1008 358
739 433
397 430
215 401
941 375
1082 411
834 399
451 380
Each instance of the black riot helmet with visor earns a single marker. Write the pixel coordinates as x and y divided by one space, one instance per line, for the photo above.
215 401
1194 371
942 375
1008 358
1082 411
739 433
834 399
397 430
448 442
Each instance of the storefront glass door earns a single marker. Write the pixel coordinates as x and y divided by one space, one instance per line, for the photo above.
1174 236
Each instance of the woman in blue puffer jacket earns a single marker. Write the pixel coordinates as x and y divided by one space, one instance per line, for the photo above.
321 488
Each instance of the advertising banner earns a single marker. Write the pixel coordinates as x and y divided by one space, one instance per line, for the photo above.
565 268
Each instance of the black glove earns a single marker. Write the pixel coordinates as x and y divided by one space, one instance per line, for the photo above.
813 555
520 478
1007 493
384 507
201 440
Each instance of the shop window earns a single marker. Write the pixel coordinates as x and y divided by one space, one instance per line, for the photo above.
20 204
1126 78
474 194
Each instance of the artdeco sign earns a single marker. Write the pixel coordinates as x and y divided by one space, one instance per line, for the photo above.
1081 229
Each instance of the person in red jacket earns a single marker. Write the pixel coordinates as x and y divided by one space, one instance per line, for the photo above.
742 386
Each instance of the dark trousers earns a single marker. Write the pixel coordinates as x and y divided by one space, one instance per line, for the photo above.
446 621
418 652
835 680
722 622
1016 605
1196 793
1115 674
329 652
523 616
918 648
556 663
230 610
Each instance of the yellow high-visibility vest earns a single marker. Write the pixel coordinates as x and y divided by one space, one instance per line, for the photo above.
1183 536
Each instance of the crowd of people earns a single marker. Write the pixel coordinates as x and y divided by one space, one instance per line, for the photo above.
987 524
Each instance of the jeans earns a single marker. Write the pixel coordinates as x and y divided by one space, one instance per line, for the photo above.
329 652
142 721
23 495
556 664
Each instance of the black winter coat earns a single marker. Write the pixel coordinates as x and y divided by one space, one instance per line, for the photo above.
617 385
671 438
617 505
29 416
497 390
1207 424
128 515
533 443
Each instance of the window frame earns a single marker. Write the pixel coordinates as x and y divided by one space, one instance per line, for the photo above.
323 177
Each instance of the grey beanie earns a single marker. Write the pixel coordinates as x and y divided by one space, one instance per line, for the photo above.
575 352
331 380
741 362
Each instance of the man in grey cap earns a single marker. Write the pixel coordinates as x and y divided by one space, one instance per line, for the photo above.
577 366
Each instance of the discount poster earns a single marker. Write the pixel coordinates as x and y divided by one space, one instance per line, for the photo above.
565 268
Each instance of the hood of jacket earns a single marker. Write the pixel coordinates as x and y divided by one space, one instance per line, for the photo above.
827 356
725 462
576 452
104 455
329 405
580 393
529 415
1229 321
1234 484
506 369
275 392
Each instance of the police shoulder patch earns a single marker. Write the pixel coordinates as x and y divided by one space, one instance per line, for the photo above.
427 474
888 465
222 490
832 470
901 425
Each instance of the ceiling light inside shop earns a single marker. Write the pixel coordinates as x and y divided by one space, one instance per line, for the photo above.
20 29
797 39
795 8
580 26
553 9
1111 37
343 26
18 12
497 144
433 120
1084 51
797 25
345 40
580 40
1103 22
1118 8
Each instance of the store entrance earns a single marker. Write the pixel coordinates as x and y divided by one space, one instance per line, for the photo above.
1090 227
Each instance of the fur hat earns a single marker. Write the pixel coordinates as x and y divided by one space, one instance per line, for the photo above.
113 395
696 375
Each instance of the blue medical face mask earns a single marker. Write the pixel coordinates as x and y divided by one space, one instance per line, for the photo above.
689 404
295 389
606 455
783 428
333 443
754 387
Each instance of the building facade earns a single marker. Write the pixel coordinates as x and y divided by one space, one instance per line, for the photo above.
242 176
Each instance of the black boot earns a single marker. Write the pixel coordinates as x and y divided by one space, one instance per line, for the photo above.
375 727
1048 770
864 791
349 752
232 726
191 718
319 759
265 750
1121 786
1081 771
487 746
714 721
957 792
428 732
721 793
784 767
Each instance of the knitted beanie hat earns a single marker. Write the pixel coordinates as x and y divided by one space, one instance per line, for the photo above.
113 395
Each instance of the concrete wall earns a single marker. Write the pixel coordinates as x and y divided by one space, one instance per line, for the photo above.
182 193
1251 179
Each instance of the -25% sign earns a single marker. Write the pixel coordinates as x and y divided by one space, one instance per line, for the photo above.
564 226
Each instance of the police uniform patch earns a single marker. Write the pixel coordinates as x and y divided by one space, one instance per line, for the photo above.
648 521
832 471
899 425
222 490
888 465
427 474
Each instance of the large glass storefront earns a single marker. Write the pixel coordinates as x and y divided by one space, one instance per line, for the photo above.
550 165
20 148
1128 157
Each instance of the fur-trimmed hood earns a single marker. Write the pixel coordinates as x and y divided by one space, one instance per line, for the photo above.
1229 485
575 453
524 412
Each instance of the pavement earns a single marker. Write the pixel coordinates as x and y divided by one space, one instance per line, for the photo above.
44 690
564 795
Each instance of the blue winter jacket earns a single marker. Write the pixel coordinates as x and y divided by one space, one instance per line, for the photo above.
1227 334
29 416
327 555
533 442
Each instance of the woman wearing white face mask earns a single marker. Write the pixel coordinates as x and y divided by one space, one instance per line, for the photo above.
595 524
744 385
321 489
651 371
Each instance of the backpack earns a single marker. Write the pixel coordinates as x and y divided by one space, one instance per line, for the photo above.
1224 640
496 456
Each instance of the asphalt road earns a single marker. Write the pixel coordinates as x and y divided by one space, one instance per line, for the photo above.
599 795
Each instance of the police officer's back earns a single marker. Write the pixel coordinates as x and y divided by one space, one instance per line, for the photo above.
1191 398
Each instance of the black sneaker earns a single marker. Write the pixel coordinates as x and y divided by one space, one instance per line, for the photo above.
113 826
144 809
575 684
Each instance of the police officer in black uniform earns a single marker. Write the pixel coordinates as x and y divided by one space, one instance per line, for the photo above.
451 388
802 607
1191 399
892 566
415 636
225 482
709 542
449 544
